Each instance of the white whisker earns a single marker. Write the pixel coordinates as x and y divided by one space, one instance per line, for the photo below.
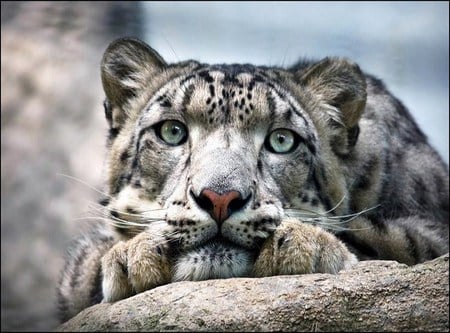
337 205
86 184
308 212
334 223
145 215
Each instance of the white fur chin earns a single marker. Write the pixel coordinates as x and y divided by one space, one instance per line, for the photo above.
213 261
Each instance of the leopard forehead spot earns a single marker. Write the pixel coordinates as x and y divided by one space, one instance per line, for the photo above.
220 97
228 94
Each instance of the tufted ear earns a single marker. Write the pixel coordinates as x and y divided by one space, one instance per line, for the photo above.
341 87
126 68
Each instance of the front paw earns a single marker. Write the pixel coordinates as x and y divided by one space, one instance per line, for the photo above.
300 248
134 266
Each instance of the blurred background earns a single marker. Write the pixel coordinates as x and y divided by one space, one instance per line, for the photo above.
52 122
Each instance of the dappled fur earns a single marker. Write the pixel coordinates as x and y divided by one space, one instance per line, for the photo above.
216 171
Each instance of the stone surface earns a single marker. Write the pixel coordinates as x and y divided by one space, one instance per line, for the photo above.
373 296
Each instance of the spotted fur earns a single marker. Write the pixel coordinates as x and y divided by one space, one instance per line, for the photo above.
216 171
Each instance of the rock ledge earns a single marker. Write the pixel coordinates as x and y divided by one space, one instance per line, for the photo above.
373 296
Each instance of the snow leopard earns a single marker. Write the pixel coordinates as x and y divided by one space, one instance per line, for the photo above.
236 170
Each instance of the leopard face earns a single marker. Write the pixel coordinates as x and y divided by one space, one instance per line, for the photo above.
212 156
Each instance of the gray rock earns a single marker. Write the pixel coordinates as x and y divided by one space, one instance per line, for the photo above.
373 296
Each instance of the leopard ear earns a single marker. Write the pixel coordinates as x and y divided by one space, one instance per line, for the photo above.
127 66
340 86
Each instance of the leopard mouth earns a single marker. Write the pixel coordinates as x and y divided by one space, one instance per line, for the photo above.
217 258
220 242
217 243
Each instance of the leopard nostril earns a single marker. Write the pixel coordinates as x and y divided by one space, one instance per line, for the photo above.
203 201
237 204
220 206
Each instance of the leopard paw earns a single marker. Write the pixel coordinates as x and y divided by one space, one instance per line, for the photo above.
134 266
301 248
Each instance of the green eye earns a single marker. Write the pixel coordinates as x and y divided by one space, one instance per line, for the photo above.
282 141
172 132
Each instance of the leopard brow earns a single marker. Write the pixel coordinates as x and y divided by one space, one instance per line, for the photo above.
309 140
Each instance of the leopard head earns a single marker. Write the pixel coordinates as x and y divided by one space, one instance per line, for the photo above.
215 156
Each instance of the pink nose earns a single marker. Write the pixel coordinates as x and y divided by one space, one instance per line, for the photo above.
220 206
